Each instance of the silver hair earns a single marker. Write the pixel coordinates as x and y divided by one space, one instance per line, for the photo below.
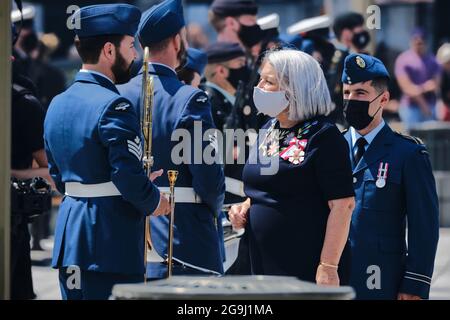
301 76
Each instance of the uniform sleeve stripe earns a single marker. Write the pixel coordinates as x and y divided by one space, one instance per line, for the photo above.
137 145
134 147
135 154
419 275
130 148
427 282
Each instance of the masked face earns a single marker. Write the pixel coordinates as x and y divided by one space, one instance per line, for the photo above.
250 35
239 74
357 112
361 39
271 103
121 70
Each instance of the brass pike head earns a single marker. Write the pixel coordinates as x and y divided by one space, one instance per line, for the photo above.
172 176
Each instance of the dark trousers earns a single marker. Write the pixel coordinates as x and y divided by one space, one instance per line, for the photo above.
242 265
21 281
40 230
92 285
158 271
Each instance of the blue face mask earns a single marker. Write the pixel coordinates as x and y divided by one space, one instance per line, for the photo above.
271 103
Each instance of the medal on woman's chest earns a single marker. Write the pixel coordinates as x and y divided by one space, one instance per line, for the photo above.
296 143
295 152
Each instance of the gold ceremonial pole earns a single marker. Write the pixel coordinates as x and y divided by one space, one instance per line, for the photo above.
172 176
146 125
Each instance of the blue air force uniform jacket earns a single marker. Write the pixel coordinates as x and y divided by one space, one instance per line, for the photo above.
92 136
383 264
197 236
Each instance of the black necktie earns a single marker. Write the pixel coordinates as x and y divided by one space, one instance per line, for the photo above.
359 149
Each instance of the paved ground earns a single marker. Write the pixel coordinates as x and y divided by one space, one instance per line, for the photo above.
46 279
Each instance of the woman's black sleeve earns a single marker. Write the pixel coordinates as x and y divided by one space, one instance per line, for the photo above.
332 165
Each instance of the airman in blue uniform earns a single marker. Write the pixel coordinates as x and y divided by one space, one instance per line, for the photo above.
395 193
180 108
93 143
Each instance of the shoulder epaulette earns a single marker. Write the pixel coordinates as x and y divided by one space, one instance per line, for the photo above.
416 140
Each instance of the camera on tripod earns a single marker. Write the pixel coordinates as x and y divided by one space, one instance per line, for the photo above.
31 197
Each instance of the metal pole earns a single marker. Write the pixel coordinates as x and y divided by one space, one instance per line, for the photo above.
5 141
172 177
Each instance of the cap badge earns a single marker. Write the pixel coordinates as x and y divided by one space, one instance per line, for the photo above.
360 62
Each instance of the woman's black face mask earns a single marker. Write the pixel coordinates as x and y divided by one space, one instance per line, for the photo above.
357 112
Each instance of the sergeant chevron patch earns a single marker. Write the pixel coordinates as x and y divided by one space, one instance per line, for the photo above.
134 147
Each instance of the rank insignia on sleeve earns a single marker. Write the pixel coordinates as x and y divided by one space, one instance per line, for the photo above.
213 142
134 147
122 106
202 99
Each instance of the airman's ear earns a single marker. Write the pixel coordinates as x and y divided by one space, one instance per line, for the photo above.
177 42
109 52
232 23
385 98
220 69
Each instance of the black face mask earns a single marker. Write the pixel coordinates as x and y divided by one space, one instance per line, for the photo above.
357 112
121 72
236 75
361 39
250 35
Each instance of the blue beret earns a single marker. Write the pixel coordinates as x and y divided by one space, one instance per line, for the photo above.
234 8
107 19
196 60
361 68
223 51
161 22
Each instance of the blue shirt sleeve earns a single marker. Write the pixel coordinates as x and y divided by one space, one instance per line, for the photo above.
120 133
208 180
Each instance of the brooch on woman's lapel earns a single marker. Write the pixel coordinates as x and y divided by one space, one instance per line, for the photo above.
270 146
295 153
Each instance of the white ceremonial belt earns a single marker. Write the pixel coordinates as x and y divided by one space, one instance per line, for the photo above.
80 190
183 194
234 186
108 189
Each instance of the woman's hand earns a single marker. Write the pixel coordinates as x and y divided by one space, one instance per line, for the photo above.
336 236
238 214
327 276
406 296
